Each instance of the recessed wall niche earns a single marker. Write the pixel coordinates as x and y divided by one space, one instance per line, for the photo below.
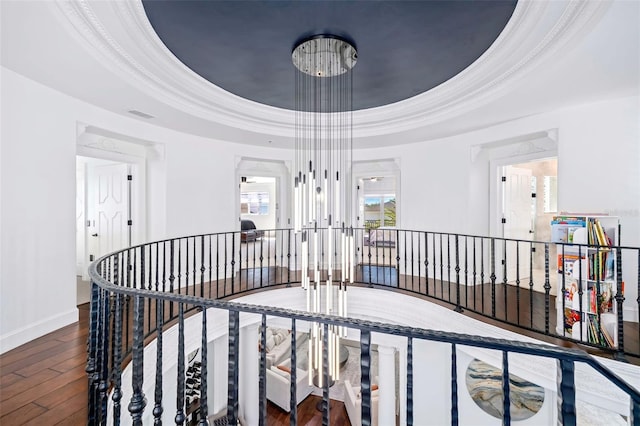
484 383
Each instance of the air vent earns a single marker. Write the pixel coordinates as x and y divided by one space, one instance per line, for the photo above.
140 114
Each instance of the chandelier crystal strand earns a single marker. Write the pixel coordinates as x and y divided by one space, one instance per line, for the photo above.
322 185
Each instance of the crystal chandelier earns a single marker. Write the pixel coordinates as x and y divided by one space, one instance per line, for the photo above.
322 187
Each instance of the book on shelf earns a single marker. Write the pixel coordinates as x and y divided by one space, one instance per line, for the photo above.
596 233
566 263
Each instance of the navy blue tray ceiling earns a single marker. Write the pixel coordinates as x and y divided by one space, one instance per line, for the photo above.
404 47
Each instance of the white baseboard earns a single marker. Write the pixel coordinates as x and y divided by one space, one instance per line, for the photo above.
23 335
630 314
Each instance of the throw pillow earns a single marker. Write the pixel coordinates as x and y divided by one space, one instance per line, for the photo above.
279 372
284 368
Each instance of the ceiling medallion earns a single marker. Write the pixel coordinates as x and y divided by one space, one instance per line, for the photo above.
324 56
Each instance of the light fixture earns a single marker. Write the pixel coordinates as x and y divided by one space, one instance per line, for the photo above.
322 186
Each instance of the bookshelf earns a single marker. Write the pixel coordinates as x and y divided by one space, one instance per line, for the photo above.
586 264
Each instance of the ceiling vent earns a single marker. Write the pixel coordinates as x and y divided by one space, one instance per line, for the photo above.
140 114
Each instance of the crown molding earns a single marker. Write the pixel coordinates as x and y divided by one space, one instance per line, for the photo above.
121 37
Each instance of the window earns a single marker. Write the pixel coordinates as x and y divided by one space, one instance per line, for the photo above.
379 210
255 202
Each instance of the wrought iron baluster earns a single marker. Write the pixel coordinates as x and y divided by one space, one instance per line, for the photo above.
493 278
157 409
211 266
566 393
506 395
531 251
620 300
262 384
637 299
441 269
194 267
454 386
149 285
369 256
327 377
179 266
138 401
419 266
293 404
547 289
218 265
435 276
457 270
180 417
466 272
397 245
233 263
482 283
204 407
117 362
262 260
103 355
504 280
233 365
135 268
172 277
405 263
289 257
157 266
426 262
186 266
202 268
518 282
365 374
475 298
449 266
91 368
409 381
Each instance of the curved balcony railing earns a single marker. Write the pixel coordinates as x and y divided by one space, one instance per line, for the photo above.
141 292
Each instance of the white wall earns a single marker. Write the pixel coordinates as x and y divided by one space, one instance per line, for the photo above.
37 283
445 187
190 190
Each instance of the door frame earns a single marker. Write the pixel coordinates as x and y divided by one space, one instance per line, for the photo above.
278 169
137 166
496 191
388 167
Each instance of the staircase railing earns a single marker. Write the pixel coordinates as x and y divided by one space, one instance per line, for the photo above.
140 292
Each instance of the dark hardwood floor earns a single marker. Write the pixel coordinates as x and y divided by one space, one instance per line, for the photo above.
44 383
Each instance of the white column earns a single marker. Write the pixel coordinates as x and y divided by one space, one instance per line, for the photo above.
387 385
248 394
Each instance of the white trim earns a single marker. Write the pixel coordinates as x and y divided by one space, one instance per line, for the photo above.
134 154
524 150
23 335
120 36
278 169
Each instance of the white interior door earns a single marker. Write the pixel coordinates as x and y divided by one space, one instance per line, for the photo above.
108 208
518 218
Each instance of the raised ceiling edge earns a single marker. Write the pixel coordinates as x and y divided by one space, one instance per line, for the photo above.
495 72
121 37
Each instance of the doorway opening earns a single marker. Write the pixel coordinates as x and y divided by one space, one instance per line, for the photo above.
258 201
103 213
528 197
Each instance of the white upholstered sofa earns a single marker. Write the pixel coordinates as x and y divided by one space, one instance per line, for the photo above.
279 345
279 385
353 403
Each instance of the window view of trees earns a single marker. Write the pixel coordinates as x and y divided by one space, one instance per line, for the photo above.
379 210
